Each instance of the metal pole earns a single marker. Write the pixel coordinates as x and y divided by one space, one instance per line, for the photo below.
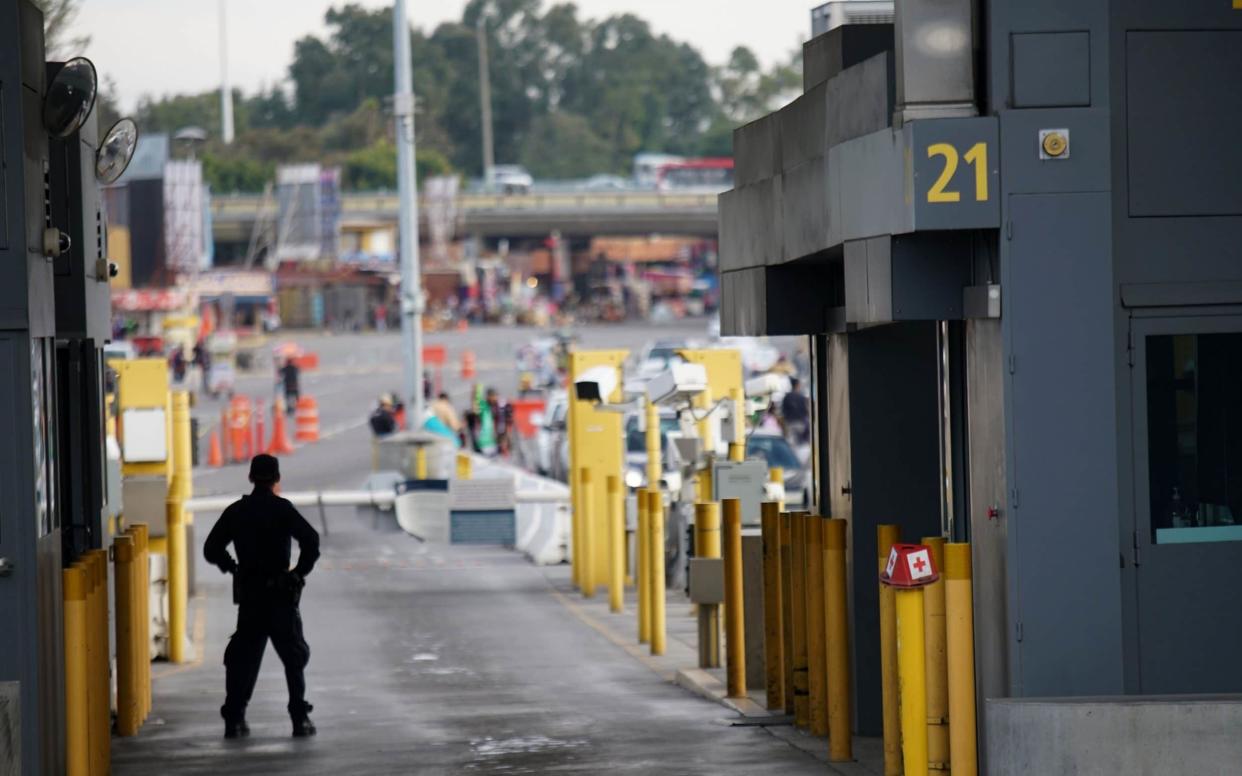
959 614
226 89
787 634
837 635
616 543
773 614
816 646
937 665
655 568
641 541
485 103
707 545
407 184
913 680
886 537
735 621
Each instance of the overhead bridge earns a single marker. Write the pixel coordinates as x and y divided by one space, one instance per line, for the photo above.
534 214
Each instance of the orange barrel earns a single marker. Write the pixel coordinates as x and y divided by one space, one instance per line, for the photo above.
239 428
306 420
468 369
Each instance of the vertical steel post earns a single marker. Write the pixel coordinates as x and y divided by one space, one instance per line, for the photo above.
178 556
959 616
616 543
587 542
77 712
836 626
128 706
886 537
773 642
801 683
707 545
937 665
655 520
465 466
735 620
407 185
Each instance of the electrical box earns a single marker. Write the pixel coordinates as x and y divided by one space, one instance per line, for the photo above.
707 580
745 481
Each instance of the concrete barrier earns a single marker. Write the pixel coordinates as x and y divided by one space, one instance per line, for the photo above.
1134 735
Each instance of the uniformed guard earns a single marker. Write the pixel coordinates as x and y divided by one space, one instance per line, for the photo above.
260 526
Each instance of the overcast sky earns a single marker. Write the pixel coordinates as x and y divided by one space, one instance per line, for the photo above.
162 47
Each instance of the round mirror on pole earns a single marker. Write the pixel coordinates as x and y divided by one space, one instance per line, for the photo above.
70 97
115 151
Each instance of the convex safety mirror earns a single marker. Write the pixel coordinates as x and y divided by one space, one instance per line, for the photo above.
70 97
116 151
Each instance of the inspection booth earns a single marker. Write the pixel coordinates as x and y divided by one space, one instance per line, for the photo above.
1013 232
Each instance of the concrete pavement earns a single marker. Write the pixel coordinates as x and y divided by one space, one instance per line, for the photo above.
443 660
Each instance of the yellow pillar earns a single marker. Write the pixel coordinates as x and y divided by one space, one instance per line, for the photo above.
735 621
655 520
840 743
420 462
912 670
465 465
616 543
101 673
708 438
886 537
707 545
737 446
786 553
773 643
817 656
77 712
801 683
143 539
937 665
128 705
587 542
643 544
776 475
959 616
178 558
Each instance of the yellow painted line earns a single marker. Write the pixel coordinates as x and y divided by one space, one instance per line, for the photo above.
637 651
199 638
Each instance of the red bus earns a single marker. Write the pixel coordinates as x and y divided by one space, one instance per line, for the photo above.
710 172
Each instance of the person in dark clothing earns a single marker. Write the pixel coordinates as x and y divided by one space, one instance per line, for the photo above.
261 527
796 412
291 376
383 419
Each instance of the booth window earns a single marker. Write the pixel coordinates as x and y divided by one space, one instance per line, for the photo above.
1194 437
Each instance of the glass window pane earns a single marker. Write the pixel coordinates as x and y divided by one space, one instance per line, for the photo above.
1194 437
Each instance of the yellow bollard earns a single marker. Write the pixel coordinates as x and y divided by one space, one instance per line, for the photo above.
737 445
937 665
735 620
642 542
912 672
420 462
575 533
177 594
836 627
655 566
707 545
128 707
77 711
655 469
773 642
616 543
797 590
959 617
737 452
465 465
817 655
101 667
786 553
144 613
886 537
587 543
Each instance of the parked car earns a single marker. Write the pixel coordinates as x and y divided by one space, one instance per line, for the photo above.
512 179
776 451
552 438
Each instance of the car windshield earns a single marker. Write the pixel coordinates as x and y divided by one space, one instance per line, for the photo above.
773 449
636 439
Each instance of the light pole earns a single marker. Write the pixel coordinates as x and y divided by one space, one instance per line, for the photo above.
485 102
226 90
407 185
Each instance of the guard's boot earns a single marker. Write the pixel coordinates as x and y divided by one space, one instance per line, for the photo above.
236 729
302 725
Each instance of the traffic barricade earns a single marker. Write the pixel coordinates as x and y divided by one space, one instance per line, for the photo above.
306 420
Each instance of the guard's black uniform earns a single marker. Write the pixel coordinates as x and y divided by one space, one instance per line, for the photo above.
260 527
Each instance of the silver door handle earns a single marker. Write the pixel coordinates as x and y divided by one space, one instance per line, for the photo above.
6 567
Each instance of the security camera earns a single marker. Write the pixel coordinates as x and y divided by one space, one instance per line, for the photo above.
767 385
678 384
596 384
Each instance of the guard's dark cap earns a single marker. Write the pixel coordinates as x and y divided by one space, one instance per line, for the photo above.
264 468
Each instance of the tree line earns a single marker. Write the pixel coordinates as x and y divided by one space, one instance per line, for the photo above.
571 97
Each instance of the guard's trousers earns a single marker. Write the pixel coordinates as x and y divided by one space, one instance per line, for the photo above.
258 621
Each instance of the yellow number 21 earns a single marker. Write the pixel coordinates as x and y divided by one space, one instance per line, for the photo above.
977 157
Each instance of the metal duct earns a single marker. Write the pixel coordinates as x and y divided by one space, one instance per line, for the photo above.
935 59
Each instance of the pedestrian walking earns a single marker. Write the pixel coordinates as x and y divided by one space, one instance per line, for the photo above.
261 527
291 378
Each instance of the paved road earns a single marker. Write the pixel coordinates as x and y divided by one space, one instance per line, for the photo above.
443 660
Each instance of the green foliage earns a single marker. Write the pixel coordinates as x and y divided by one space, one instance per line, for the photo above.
58 17
571 97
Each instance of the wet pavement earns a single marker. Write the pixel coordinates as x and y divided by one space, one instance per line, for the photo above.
429 659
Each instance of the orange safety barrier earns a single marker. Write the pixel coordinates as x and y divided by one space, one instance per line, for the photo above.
225 450
468 364
215 457
437 356
240 432
280 438
260 431
523 413
307 361
306 420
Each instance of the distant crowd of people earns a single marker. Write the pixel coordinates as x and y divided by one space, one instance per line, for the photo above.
485 427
